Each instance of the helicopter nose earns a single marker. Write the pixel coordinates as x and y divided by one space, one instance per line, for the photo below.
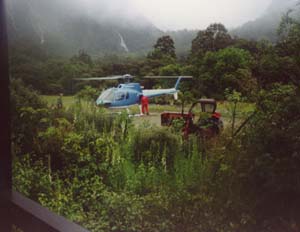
103 103
99 102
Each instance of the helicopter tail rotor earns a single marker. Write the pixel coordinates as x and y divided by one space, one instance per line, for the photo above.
175 96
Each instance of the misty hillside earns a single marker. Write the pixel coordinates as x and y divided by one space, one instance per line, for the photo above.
265 27
62 28
104 27
183 40
65 27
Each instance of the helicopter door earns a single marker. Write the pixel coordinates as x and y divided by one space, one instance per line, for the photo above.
120 96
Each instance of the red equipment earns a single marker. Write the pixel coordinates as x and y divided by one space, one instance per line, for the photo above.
201 119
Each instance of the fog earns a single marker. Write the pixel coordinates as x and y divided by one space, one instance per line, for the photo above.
169 14
105 10
177 14
194 14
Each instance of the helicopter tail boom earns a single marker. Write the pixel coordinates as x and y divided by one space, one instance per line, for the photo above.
170 77
177 83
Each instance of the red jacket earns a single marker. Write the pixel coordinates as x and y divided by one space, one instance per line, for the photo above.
145 100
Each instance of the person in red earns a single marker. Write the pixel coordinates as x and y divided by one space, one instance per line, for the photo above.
144 102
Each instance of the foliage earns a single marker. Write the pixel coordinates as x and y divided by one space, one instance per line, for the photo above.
108 175
254 166
155 147
233 98
82 57
185 98
162 55
227 68
214 38
170 70
88 94
28 116
272 67
164 46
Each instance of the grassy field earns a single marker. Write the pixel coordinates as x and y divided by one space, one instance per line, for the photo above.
69 100
52 100
225 108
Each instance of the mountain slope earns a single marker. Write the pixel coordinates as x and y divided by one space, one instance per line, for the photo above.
265 27
62 29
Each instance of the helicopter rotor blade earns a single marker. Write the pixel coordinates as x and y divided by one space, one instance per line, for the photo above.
99 78
104 78
167 77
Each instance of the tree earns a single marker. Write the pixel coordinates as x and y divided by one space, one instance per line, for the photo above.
214 38
248 45
165 46
82 57
226 68
273 68
170 70
163 54
26 63
27 111
289 33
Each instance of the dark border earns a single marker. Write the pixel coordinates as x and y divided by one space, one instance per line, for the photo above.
5 157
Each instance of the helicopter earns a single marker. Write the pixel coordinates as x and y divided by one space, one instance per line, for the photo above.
128 93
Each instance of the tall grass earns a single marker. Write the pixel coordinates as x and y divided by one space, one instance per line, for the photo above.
113 170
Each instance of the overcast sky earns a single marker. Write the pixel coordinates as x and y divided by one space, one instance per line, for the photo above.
198 14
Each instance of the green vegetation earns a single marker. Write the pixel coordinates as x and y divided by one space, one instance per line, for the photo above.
106 174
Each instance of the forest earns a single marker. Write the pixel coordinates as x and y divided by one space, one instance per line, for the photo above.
105 173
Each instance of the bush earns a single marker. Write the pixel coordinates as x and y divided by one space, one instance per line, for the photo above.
264 167
155 146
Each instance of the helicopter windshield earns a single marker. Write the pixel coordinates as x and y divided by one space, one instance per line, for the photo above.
107 95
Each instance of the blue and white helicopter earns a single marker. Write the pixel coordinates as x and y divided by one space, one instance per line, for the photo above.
127 94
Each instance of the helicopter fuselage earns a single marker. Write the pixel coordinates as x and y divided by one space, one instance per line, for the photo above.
122 96
129 94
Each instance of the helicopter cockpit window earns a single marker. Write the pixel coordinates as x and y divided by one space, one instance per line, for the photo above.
127 95
120 96
107 95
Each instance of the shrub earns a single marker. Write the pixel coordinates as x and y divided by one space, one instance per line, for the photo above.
156 146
